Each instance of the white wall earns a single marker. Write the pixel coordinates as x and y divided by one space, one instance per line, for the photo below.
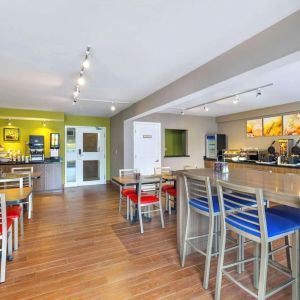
197 128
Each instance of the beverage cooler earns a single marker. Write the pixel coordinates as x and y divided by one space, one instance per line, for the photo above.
214 145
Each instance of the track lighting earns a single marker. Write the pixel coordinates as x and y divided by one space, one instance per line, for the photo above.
112 107
76 92
9 122
182 112
81 80
86 63
236 99
44 124
206 108
258 93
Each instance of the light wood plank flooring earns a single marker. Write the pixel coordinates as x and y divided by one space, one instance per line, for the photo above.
77 246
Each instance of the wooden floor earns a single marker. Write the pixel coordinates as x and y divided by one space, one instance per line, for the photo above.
78 247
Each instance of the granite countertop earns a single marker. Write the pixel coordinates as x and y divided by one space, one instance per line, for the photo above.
255 163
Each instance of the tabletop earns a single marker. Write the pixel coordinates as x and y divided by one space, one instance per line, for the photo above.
16 195
279 188
34 175
132 180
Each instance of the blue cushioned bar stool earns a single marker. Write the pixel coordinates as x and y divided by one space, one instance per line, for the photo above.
260 225
201 201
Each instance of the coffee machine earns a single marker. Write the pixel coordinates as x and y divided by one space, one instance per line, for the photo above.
54 146
36 148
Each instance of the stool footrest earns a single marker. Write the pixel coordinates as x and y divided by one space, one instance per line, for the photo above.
282 286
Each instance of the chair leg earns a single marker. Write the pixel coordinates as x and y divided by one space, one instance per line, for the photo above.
167 201
170 209
241 255
185 237
208 252
16 233
255 264
127 208
288 252
263 271
9 242
296 264
120 203
30 207
131 210
3 258
141 218
21 222
220 263
161 215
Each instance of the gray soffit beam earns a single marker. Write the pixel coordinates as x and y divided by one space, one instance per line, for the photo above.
280 40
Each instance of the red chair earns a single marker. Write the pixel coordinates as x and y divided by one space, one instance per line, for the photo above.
15 213
125 192
171 195
152 202
5 236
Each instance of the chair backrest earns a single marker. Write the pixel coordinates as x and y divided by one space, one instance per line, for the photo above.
235 201
6 183
189 167
146 182
162 170
27 180
3 220
22 169
125 172
198 189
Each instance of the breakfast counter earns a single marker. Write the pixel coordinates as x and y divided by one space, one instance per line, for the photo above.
209 163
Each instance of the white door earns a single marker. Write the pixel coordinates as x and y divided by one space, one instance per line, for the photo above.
85 156
147 146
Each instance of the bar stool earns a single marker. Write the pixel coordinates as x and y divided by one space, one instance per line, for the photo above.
201 201
260 225
161 171
125 192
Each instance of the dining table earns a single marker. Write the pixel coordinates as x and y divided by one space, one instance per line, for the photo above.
34 175
277 188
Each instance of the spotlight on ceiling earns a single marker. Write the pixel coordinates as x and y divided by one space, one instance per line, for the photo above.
76 92
236 99
206 108
9 122
86 63
112 107
44 124
258 93
81 80
182 112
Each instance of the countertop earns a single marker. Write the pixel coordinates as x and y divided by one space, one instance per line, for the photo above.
46 161
258 164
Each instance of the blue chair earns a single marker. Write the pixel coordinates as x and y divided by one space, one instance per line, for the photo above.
260 225
201 201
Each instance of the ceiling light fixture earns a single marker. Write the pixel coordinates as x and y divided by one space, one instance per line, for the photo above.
231 96
112 107
9 122
206 108
182 112
76 92
298 115
236 99
44 124
258 93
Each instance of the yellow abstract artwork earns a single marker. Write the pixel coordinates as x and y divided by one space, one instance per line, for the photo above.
273 126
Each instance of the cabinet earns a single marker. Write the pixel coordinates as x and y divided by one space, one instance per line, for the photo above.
51 175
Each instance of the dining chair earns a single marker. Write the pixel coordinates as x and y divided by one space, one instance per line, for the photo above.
27 182
165 186
5 236
14 212
261 226
125 192
146 203
171 196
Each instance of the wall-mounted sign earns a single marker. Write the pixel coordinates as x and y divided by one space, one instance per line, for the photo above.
254 128
272 126
147 136
291 124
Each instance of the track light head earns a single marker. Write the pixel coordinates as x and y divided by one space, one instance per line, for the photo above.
182 112
9 122
258 93
206 108
236 99
112 107
44 124
86 63
81 80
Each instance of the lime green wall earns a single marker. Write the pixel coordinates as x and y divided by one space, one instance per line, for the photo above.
33 127
175 142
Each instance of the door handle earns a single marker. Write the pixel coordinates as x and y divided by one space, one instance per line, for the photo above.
79 152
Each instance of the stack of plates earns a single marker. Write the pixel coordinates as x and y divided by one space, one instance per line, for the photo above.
3 155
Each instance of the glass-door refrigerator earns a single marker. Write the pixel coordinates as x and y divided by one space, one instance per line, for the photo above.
214 145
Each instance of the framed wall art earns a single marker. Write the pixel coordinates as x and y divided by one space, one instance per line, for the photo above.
11 134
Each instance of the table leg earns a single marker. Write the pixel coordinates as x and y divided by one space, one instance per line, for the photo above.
296 264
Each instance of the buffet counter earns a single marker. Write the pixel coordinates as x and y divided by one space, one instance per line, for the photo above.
209 163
